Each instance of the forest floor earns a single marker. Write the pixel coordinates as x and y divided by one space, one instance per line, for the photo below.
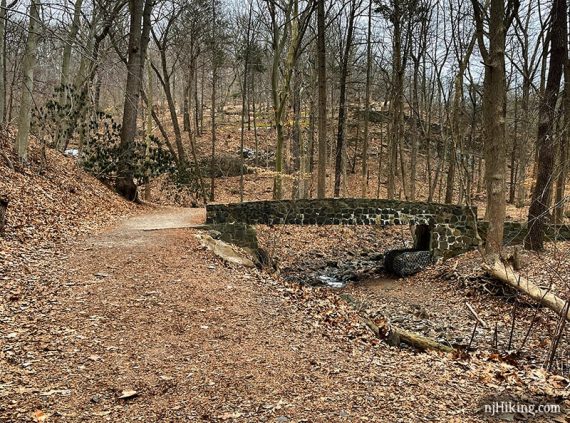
137 324
115 312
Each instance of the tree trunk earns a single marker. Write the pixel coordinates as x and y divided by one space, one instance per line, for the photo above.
62 129
244 101
2 61
563 157
296 141
164 78
364 173
546 138
493 117
140 11
342 108
322 101
148 130
456 128
396 104
514 151
213 110
28 65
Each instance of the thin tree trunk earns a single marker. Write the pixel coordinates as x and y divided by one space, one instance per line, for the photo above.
342 107
62 129
26 101
164 78
364 173
396 104
456 129
244 101
514 171
213 110
322 101
2 61
138 41
546 138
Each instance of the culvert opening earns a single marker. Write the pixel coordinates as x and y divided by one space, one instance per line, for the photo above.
422 237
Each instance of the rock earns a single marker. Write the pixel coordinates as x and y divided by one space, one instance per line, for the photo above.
215 234
225 251
128 394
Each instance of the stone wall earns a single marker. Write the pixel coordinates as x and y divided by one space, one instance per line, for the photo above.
516 232
237 233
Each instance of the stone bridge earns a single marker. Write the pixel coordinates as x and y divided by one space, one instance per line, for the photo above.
445 230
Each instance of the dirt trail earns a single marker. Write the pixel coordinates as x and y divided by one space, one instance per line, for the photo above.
153 312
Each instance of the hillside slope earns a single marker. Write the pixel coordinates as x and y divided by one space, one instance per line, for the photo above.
51 203
51 199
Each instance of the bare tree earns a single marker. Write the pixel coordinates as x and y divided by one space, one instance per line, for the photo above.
494 98
342 107
285 32
139 35
322 101
29 64
364 172
546 138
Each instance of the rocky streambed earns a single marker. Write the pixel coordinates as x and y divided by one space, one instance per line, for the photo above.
336 273
433 303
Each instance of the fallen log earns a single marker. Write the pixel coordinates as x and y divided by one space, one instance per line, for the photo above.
507 275
394 335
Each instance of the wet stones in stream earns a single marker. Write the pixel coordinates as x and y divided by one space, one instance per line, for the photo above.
336 274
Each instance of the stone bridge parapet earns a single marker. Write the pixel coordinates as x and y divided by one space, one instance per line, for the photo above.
446 230
451 228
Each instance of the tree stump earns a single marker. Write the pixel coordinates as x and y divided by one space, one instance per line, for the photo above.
3 207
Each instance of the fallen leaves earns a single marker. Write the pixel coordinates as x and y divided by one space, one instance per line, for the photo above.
128 394
40 416
64 392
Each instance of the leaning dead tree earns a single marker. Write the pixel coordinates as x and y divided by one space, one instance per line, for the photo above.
506 274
